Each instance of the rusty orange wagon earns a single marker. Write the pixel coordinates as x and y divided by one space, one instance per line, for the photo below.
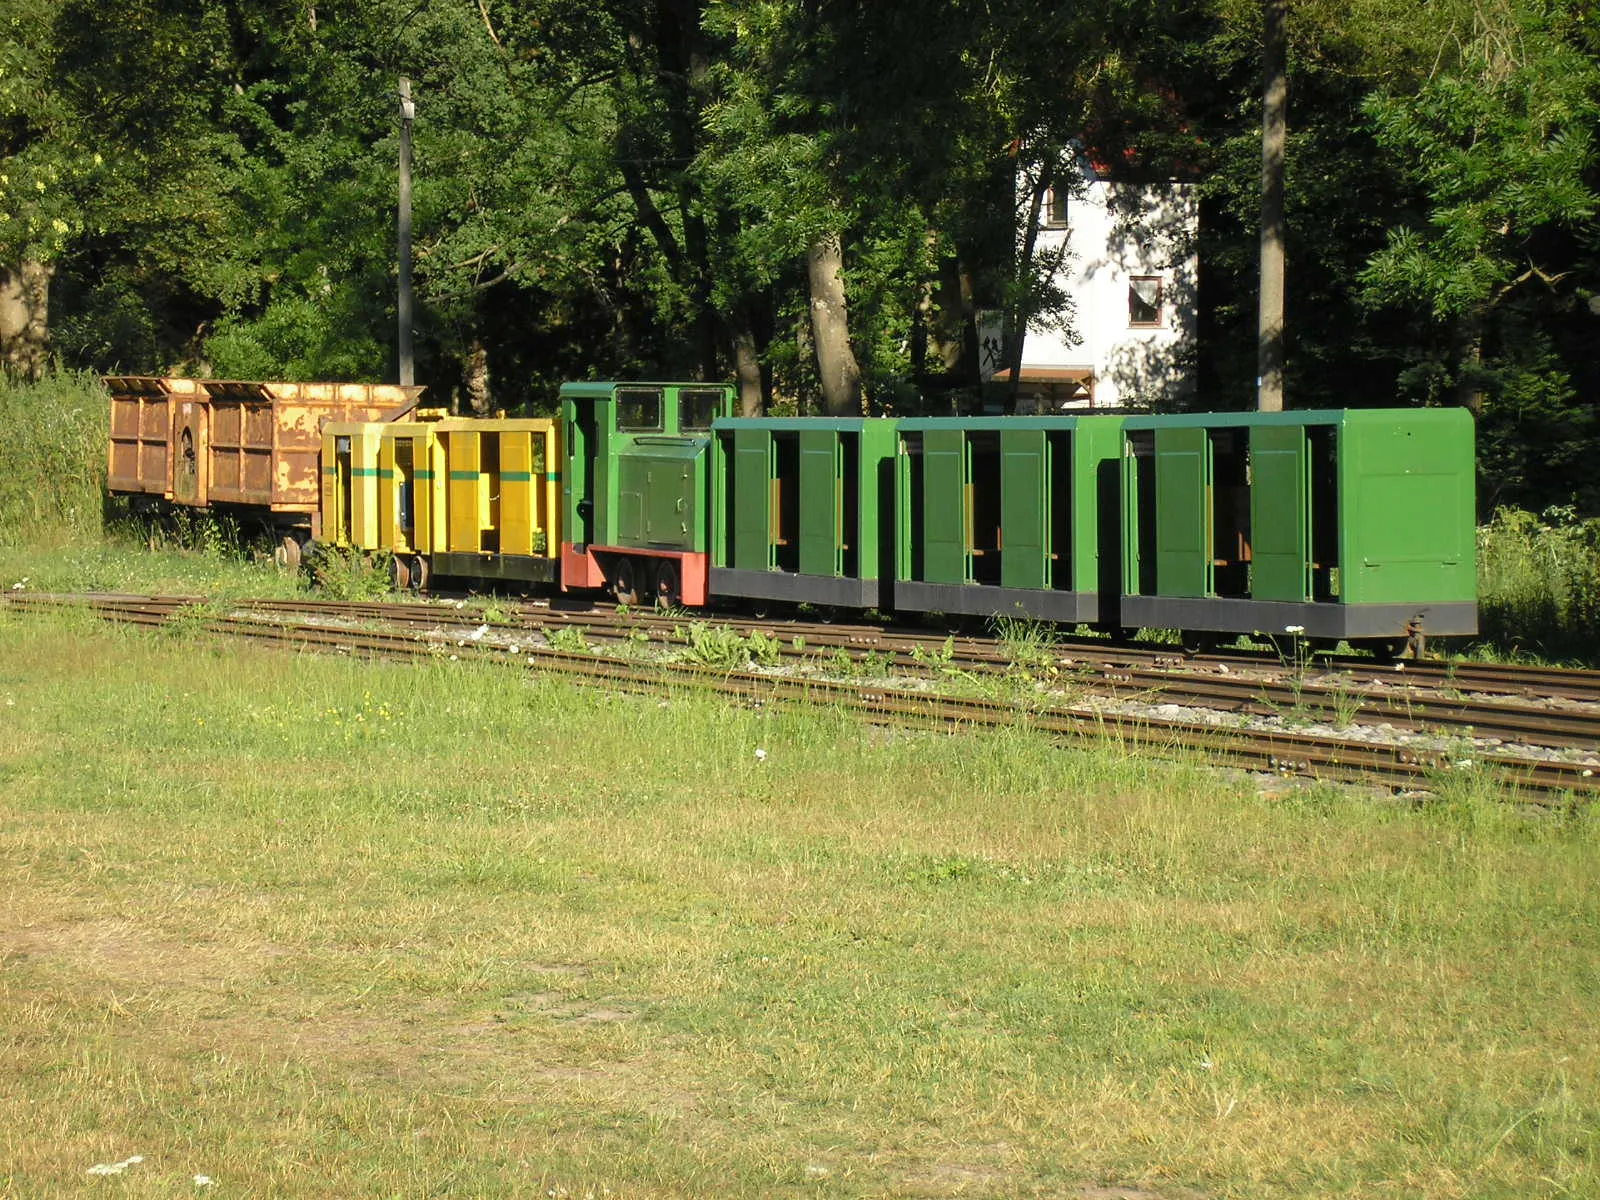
250 451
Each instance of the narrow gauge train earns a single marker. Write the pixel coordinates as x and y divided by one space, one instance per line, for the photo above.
1354 524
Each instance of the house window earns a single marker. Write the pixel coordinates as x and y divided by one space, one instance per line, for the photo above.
1055 208
1144 301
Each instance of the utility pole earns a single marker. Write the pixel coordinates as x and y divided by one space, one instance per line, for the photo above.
408 111
1274 137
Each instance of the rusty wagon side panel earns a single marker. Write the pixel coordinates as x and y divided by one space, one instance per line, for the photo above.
265 439
140 458
246 445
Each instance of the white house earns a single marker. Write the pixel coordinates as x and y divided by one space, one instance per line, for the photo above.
1129 263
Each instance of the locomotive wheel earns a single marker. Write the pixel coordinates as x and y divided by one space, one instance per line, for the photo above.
399 573
669 589
421 572
1197 641
624 588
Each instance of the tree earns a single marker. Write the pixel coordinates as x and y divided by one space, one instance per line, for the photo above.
44 164
1502 146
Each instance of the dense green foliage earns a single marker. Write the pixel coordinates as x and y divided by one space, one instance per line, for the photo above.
52 457
615 187
1539 585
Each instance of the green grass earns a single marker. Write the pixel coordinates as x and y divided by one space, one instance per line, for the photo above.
316 928
52 456
1539 586
120 561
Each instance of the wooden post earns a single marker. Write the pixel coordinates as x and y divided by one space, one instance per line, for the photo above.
1274 137
407 112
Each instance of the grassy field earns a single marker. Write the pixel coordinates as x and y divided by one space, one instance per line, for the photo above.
306 927
284 926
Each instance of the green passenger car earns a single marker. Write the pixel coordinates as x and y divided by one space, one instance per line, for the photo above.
1004 515
802 510
1351 524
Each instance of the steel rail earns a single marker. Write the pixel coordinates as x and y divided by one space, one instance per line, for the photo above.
1298 692
1283 752
1290 694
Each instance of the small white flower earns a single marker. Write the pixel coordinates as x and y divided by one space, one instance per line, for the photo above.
1294 629
761 755
455 658
514 648
202 1181
1206 1064
116 1168
477 634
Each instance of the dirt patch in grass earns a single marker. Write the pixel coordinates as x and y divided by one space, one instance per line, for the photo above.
113 950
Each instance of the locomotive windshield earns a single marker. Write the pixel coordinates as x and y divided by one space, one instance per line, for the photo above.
639 411
697 408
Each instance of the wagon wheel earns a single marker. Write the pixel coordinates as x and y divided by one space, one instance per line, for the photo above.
421 572
1197 641
399 573
624 588
669 589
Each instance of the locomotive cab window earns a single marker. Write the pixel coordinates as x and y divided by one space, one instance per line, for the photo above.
639 411
697 409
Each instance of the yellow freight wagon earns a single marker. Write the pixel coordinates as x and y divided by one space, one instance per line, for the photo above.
463 497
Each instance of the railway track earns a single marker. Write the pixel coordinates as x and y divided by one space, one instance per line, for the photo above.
1418 701
460 632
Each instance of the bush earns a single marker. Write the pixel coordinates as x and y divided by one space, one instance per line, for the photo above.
345 574
52 455
1539 584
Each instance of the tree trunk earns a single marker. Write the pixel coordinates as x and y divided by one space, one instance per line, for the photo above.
476 380
24 316
1018 315
747 365
830 329
1274 138
1468 353
948 347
